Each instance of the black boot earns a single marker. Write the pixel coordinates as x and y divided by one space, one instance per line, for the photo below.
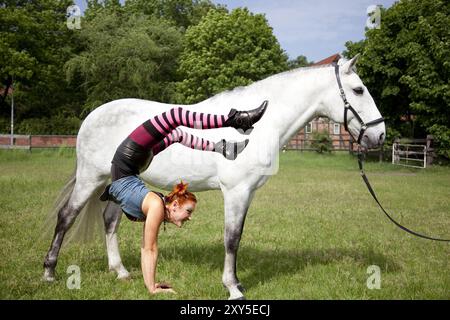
230 150
245 119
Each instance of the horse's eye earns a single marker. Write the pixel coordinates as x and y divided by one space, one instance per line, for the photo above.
358 90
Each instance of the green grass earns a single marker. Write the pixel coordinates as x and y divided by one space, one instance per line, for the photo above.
311 233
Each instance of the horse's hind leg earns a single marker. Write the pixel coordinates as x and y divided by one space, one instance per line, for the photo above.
111 217
66 217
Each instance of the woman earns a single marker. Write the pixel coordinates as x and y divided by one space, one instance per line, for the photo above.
134 155
176 208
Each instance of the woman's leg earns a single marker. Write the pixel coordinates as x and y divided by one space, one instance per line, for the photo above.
185 139
229 150
152 131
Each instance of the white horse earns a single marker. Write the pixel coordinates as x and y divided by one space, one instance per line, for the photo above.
295 97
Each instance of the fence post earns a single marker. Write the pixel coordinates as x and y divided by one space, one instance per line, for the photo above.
29 143
393 152
394 147
425 157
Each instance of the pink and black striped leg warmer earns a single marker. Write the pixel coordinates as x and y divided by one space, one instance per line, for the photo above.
152 131
185 139
175 117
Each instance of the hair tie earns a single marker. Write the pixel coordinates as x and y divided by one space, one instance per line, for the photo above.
181 188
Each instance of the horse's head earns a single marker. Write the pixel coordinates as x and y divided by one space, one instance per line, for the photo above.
348 101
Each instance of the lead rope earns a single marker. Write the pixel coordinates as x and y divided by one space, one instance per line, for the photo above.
372 192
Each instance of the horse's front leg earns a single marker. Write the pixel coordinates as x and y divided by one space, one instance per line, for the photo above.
237 202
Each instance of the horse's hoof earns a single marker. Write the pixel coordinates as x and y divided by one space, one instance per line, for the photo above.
48 276
124 276
48 279
238 298
240 287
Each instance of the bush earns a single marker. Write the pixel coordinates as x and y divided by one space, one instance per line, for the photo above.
5 125
442 136
322 142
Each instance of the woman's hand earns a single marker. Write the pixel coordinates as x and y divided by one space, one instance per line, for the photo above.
163 285
163 288
160 290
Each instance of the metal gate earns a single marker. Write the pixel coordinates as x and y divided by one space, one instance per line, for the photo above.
409 155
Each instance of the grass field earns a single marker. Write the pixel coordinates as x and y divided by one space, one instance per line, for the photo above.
311 233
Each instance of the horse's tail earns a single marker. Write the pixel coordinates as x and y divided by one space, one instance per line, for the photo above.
87 225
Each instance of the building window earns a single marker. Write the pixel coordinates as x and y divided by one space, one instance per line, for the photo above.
337 128
308 128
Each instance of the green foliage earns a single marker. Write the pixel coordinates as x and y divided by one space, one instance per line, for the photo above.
180 13
58 124
406 66
124 51
5 125
299 62
227 50
126 56
442 135
120 51
322 142
354 48
391 135
34 44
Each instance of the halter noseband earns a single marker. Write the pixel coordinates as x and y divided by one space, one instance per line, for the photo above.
348 106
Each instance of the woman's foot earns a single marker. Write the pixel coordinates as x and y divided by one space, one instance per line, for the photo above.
245 119
230 150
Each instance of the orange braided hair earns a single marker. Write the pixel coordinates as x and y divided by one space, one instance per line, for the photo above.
180 193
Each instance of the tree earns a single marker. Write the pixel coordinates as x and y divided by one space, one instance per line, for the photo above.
406 66
299 62
126 55
226 50
34 43
181 13
322 142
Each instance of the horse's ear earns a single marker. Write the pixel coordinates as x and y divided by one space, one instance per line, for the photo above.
348 66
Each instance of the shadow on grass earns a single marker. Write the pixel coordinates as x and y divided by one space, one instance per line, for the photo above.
262 265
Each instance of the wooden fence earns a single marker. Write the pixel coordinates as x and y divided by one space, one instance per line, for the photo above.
339 143
57 141
298 142
304 144
29 142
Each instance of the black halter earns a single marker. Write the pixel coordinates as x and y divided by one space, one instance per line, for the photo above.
348 106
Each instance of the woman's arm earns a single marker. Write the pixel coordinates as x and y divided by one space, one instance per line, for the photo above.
149 248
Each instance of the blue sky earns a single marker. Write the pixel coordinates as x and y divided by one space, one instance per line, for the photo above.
315 29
